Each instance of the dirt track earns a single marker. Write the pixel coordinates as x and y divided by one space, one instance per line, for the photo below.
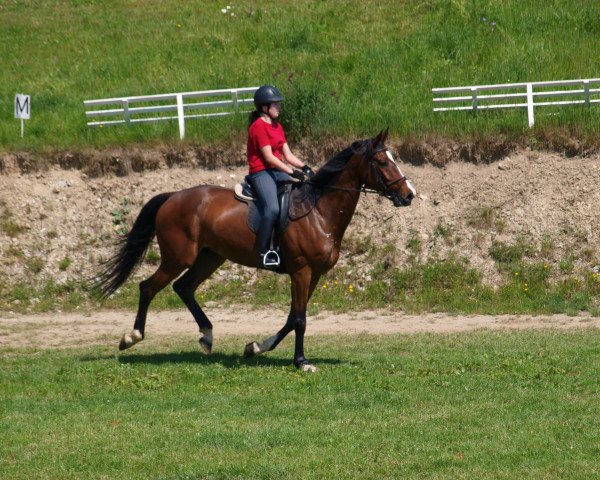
106 327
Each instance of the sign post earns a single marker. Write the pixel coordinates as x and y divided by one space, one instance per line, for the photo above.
22 109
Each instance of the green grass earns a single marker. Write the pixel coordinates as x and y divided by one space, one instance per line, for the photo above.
451 286
480 405
343 73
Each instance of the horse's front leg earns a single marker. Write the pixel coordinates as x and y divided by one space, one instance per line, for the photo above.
303 284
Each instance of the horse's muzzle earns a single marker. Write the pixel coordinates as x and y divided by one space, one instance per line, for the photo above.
400 201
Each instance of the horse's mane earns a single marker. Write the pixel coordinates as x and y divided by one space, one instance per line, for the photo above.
327 174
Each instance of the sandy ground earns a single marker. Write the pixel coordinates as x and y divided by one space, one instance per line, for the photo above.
67 221
106 327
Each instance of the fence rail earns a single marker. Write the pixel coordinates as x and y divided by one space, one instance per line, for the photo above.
186 105
529 92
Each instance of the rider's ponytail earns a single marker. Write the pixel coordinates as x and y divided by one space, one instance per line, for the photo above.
255 115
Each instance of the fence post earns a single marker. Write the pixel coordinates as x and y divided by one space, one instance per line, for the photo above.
474 96
530 105
180 116
126 115
586 89
234 97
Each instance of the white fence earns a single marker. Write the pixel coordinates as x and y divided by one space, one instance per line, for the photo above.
155 108
525 94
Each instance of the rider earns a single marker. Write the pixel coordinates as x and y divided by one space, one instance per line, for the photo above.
270 160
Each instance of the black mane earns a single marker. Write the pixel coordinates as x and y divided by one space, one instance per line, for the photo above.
327 174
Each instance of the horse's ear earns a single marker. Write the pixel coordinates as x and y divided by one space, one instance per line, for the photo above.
380 138
385 135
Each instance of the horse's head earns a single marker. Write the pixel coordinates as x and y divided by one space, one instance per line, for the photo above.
383 174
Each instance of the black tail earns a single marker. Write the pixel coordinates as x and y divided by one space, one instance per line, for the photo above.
132 248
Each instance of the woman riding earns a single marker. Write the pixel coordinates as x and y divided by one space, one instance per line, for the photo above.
270 160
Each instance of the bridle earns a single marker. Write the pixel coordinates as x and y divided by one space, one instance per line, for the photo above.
368 152
386 191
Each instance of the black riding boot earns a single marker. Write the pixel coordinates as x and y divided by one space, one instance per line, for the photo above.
267 258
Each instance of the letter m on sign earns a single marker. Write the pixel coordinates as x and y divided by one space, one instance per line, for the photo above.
22 106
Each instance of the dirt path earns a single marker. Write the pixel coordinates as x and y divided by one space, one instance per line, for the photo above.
106 327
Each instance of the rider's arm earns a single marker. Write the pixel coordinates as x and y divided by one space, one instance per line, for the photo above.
290 157
272 160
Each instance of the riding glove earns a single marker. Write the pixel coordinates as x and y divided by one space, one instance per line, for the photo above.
299 176
308 171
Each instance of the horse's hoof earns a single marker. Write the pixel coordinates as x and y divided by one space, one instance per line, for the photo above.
307 367
251 349
130 339
123 344
206 345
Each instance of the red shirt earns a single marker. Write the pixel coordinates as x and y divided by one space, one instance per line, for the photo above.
261 134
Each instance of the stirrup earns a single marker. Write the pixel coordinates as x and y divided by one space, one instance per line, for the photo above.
270 259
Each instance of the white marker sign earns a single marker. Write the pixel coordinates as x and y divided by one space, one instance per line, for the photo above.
22 106
22 109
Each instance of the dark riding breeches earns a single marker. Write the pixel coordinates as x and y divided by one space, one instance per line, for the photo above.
265 185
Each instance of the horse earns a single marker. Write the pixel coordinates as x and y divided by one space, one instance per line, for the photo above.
199 228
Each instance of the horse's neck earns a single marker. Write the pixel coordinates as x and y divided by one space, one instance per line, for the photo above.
337 205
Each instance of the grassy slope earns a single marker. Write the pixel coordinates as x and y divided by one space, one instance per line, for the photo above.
358 69
480 405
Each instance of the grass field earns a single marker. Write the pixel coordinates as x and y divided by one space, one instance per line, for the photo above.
345 73
478 405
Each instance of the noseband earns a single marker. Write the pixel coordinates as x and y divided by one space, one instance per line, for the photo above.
386 191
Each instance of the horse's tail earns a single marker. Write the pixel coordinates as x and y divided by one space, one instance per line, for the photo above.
132 248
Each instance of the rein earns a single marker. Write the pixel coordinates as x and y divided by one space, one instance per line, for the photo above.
384 192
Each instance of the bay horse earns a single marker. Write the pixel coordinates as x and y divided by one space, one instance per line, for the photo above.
198 228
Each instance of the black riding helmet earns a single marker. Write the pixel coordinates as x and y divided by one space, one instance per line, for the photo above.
266 95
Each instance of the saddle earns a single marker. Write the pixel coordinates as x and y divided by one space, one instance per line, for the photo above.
296 200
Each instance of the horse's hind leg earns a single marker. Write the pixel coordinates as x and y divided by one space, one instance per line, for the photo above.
148 290
204 266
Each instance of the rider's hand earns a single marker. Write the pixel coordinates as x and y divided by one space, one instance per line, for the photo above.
299 176
308 171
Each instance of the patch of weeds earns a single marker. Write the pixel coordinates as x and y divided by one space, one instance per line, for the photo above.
505 254
500 225
482 217
414 244
14 252
547 246
120 217
435 275
51 234
8 225
566 264
478 239
358 245
35 264
449 285
592 282
579 235
532 275
588 254
444 232
65 263
153 257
